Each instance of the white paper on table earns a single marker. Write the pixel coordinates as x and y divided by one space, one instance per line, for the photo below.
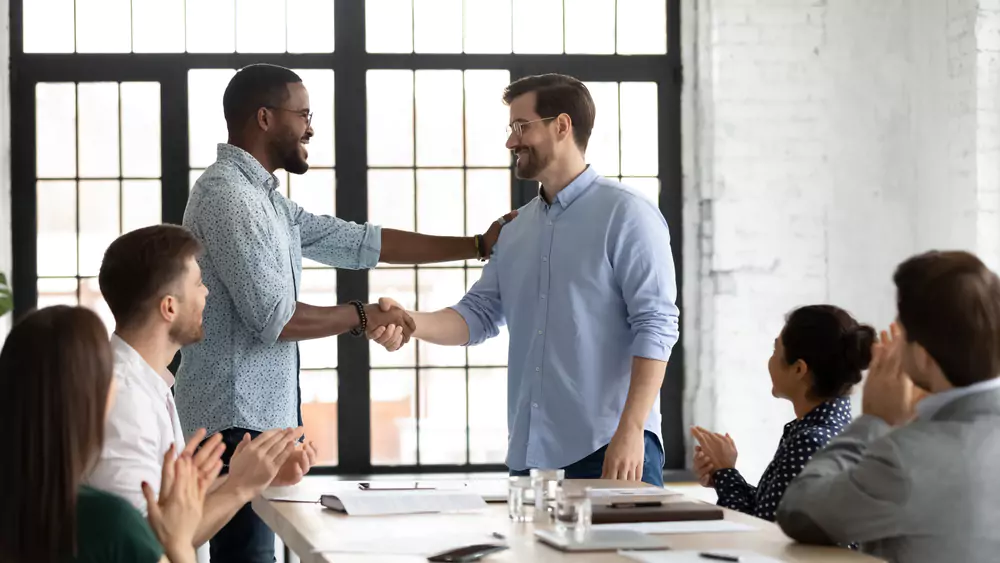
640 492
686 527
673 556
375 503
408 544
289 494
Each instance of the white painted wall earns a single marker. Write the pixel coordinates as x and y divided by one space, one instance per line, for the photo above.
824 142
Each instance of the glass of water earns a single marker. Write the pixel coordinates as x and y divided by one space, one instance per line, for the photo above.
573 512
520 500
545 483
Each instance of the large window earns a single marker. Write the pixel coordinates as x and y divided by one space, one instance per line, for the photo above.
117 111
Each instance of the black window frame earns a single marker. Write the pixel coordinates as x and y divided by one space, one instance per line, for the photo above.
350 62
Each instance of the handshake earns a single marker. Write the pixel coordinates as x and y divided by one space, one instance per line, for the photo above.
389 324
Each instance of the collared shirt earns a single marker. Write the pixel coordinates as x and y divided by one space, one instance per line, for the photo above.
240 375
140 428
930 405
584 284
800 440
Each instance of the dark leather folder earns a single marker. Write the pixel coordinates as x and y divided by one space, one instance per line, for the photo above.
665 512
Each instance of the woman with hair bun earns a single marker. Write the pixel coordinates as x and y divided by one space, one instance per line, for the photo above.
818 357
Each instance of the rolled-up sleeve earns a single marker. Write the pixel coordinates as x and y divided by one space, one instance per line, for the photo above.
240 242
644 269
335 242
481 307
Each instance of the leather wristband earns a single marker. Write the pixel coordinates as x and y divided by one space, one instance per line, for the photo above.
363 326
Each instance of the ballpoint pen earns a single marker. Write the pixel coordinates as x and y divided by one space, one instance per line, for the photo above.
719 556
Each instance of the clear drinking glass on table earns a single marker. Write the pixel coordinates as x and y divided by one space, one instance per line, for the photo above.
545 483
520 499
573 511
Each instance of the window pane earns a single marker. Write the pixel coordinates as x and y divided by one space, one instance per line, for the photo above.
390 199
55 122
399 284
590 26
319 412
390 118
56 291
389 26
487 198
99 206
56 228
393 422
158 26
602 151
103 26
315 191
319 83
211 26
319 287
493 352
648 187
442 416
642 27
48 26
485 118
437 26
487 26
140 129
538 26
141 200
206 124
437 289
310 26
99 154
639 135
487 415
260 26
440 204
439 117
90 297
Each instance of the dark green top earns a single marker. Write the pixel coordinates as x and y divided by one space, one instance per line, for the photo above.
111 530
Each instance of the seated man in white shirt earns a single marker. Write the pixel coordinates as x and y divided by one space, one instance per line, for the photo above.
152 283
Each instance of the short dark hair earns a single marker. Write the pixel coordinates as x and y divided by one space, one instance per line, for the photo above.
949 303
55 374
253 87
556 94
139 265
834 346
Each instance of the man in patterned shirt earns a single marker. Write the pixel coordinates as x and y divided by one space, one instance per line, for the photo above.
243 377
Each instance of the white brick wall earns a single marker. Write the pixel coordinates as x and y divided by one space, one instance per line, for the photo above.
824 142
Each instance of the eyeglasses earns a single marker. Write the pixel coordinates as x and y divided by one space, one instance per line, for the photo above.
303 113
517 128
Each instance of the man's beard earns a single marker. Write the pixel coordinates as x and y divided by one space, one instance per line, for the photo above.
184 334
533 167
290 158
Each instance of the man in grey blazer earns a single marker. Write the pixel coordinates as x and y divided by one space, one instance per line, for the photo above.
918 484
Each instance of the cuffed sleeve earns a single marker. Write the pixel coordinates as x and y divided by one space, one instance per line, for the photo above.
481 307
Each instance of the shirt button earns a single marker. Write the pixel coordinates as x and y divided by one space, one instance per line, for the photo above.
550 223
543 296
538 369
545 258
539 332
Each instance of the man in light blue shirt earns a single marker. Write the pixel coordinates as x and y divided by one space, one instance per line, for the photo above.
585 281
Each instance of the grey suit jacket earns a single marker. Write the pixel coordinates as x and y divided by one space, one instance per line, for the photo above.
927 492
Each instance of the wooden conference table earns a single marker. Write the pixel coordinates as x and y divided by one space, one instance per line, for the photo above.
314 533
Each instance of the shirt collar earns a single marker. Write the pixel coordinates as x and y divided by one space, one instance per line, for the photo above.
250 166
575 189
931 404
126 353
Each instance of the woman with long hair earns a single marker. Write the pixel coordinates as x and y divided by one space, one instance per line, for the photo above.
817 359
56 387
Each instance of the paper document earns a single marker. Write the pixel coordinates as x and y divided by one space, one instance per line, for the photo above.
406 544
372 503
694 556
687 527
640 492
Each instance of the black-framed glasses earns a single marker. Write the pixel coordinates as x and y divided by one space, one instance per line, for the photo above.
303 113
517 127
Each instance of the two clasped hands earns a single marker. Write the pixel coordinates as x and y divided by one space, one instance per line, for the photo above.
889 394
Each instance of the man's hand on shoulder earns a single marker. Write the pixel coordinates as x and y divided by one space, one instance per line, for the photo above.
492 235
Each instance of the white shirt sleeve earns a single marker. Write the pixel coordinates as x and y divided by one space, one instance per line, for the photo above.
132 450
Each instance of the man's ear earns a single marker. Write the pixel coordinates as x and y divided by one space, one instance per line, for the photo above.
263 118
564 126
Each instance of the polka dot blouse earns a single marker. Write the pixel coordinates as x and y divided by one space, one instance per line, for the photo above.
800 440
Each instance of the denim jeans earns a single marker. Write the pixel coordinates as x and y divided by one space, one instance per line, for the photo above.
245 538
592 466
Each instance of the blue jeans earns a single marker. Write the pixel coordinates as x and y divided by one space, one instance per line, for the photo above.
245 538
592 466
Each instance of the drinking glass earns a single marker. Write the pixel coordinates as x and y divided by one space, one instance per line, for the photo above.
520 501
